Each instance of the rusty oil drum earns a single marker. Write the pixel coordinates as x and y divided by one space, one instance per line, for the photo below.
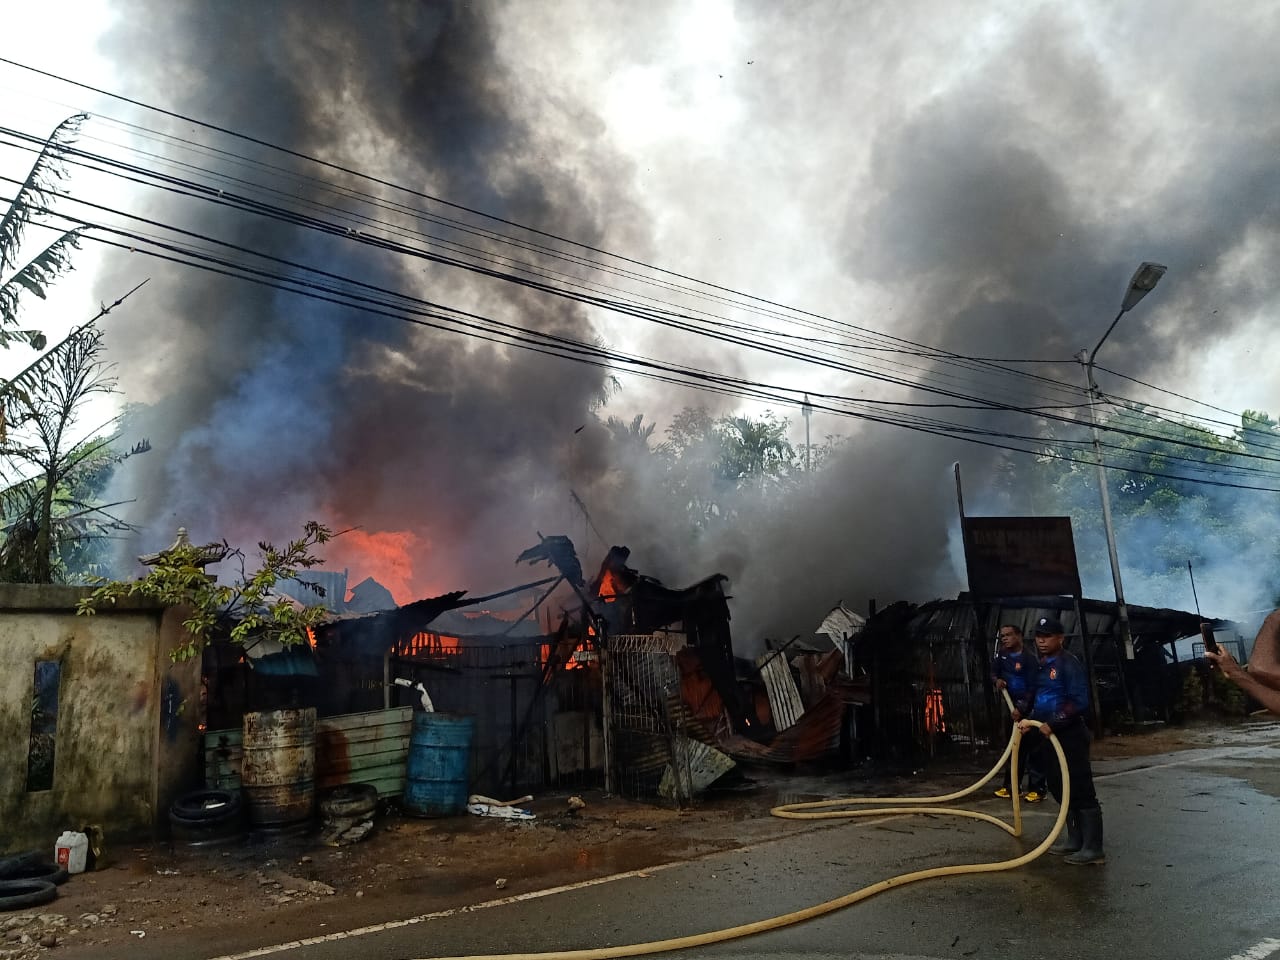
278 775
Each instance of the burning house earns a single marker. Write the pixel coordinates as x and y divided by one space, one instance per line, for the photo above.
635 685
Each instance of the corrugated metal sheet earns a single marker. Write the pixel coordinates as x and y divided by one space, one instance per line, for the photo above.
814 735
841 624
368 748
784 699
694 766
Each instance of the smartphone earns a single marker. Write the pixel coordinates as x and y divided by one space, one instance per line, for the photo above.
1206 634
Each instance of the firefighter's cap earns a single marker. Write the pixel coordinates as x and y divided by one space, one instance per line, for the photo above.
1048 627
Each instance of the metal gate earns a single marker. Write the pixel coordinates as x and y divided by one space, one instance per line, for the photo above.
652 753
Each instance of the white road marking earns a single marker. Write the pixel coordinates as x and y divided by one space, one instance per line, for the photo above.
1258 951
439 914
1250 754
518 898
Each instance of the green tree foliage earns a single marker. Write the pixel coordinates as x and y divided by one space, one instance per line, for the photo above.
755 453
247 609
715 469
52 520
690 465
633 435
1163 517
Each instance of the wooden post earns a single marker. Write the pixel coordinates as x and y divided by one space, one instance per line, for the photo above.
965 637
386 677
606 708
1095 708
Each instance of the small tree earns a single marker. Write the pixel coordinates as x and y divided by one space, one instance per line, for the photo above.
755 454
48 504
247 609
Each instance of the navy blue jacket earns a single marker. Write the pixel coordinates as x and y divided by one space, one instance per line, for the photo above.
1061 695
1018 671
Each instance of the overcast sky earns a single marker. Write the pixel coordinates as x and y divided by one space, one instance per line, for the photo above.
982 177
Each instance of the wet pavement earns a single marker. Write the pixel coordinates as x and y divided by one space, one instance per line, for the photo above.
1192 873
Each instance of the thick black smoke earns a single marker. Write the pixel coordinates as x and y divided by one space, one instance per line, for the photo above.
268 409
984 181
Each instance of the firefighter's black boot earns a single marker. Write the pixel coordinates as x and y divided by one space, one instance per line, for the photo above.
1069 840
1091 831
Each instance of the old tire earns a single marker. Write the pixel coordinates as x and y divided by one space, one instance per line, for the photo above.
227 828
200 806
352 801
207 834
20 894
40 870
207 818
18 861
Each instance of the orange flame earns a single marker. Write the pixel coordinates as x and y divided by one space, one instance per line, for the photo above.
430 644
610 587
934 717
574 664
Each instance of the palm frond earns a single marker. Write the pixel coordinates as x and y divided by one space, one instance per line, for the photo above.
34 278
37 190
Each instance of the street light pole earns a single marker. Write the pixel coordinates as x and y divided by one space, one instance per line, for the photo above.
1143 282
807 410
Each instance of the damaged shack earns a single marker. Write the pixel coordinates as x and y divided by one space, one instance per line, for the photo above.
629 684
927 669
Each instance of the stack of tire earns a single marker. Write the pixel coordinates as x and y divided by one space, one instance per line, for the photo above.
207 818
29 880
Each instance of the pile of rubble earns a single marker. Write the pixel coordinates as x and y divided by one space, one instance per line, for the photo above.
23 935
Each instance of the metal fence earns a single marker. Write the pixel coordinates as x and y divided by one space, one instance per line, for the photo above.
537 727
653 754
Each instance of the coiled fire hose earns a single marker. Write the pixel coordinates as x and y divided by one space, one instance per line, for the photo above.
821 809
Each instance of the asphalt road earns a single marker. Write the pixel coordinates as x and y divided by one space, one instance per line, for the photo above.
1192 873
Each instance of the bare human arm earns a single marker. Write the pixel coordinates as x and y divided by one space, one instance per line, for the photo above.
1266 695
1264 661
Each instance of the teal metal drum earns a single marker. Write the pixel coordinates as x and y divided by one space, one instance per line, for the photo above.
439 763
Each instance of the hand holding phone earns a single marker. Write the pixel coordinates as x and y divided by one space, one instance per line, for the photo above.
1206 634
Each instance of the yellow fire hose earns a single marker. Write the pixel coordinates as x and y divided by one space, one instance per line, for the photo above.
814 811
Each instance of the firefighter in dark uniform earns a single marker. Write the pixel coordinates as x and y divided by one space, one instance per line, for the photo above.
1014 668
1060 704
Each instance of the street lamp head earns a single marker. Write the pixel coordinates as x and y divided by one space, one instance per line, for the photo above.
1144 281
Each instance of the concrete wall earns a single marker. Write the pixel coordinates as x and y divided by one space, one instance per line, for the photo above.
128 719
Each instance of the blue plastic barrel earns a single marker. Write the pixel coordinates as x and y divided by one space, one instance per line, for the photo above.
439 761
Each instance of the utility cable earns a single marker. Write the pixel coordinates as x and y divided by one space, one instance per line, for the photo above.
789 354
988 404
420 194
933 352
204 191
242 272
